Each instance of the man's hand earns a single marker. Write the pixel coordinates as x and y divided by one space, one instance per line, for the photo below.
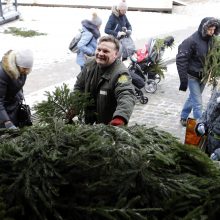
117 121
70 114
183 86
9 125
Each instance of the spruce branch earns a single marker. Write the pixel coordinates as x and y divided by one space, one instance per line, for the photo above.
60 102
211 70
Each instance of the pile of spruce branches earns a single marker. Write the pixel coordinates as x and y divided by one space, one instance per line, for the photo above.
82 172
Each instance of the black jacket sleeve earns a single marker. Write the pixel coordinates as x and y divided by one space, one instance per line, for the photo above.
183 56
111 27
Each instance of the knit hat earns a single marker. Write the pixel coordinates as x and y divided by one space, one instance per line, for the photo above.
24 58
96 20
122 5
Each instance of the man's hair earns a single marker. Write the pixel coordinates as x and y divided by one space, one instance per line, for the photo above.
110 38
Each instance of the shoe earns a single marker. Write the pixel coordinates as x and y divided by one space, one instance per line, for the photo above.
183 122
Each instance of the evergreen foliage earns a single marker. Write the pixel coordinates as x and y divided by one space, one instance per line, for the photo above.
212 63
83 172
22 32
159 65
60 102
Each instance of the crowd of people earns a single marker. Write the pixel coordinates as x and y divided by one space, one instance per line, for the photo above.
105 77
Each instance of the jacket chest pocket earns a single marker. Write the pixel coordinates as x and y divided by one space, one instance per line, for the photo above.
105 96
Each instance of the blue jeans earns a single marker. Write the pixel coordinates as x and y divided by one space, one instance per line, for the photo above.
194 101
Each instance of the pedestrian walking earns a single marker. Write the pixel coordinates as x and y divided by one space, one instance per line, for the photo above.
108 82
14 68
190 63
88 42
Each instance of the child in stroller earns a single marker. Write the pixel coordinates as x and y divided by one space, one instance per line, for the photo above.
145 62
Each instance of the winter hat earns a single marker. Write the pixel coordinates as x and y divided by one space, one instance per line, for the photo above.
96 20
122 5
24 58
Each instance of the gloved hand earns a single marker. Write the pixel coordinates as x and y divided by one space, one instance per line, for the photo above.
183 86
215 155
128 33
117 121
9 125
70 114
200 129
121 34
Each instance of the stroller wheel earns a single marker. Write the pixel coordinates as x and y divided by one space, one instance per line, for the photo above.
138 94
150 86
144 100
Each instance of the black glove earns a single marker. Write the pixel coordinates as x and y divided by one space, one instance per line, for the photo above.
183 86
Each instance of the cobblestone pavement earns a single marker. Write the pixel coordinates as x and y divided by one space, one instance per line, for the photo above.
164 106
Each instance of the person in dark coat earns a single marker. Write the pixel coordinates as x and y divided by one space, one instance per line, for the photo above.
14 67
109 84
209 124
118 24
190 63
88 42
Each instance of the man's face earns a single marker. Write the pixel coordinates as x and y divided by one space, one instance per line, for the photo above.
106 53
211 31
24 71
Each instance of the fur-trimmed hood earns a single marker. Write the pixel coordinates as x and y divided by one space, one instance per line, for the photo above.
92 28
115 11
9 64
209 22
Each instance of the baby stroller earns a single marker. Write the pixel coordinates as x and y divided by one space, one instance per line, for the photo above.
138 83
127 46
144 62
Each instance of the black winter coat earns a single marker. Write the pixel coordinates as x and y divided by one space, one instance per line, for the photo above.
116 22
193 50
11 84
211 119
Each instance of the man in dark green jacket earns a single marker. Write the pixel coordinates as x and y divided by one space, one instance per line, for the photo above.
109 84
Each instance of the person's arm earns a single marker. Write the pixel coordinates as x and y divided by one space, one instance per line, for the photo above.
3 89
80 81
125 95
128 25
3 113
111 27
84 42
185 50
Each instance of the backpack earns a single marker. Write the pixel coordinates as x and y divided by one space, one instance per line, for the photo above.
73 44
